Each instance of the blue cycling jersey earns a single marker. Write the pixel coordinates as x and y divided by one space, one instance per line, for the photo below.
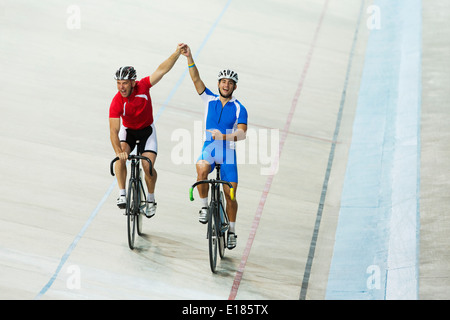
225 119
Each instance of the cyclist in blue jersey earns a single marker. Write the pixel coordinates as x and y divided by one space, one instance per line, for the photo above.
226 123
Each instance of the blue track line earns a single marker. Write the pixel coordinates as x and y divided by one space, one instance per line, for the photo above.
376 246
75 241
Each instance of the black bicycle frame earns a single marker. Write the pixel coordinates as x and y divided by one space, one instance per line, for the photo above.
135 196
215 194
214 186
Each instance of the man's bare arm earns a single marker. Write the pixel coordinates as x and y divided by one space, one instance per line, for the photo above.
114 127
166 66
193 71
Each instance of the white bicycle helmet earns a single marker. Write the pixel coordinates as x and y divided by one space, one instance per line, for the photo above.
228 74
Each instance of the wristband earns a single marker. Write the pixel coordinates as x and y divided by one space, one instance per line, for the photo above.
191 65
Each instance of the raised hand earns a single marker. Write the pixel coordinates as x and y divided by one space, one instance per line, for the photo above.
186 51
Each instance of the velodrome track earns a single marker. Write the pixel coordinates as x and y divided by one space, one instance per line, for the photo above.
352 95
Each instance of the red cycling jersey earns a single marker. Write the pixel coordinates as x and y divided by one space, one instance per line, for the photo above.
136 110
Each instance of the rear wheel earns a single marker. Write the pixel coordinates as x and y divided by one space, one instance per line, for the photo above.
142 201
222 239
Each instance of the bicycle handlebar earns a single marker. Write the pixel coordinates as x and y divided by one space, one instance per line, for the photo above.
131 157
191 190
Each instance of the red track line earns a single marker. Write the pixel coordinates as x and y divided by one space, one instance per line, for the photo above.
284 133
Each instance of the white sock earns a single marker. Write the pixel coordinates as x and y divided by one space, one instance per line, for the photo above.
204 202
122 192
232 227
151 197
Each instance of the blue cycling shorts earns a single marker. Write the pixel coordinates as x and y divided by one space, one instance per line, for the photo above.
216 152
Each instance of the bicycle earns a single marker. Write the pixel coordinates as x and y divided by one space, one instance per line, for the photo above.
218 221
136 197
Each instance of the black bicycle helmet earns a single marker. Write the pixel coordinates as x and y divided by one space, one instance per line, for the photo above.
125 73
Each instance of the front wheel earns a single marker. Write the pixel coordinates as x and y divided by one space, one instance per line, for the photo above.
213 238
131 210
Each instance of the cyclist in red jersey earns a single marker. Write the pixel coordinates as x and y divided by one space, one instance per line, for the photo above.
133 104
